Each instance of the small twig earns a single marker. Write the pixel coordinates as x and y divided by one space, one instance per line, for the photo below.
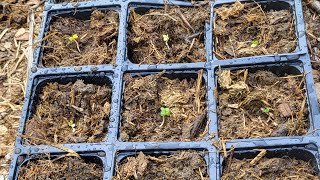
230 159
198 89
183 18
52 144
262 153
3 32
201 175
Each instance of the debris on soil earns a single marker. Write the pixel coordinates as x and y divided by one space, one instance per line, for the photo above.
269 168
70 113
178 165
61 168
73 42
61 1
261 104
144 96
249 29
13 68
167 35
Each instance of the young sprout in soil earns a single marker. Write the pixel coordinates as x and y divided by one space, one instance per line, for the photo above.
265 109
72 125
163 113
166 39
254 43
73 38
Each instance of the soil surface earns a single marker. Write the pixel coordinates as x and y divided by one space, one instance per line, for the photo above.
243 30
178 165
184 30
71 113
145 96
273 168
94 41
61 168
261 104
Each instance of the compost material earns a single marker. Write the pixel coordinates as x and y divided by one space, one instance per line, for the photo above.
261 104
61 168
167 35
145 96
73 42
269 168
70 113
249 29
178 165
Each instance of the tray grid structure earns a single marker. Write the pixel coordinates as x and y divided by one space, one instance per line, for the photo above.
112 148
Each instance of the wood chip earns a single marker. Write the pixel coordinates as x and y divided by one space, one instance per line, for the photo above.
22 35
285 110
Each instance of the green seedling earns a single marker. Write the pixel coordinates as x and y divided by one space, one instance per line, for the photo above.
265 109
73 37
72 125
166 39
254 43
163 113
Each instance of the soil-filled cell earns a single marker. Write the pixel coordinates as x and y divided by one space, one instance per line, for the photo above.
74 41
167 35
164 107
178 165
254 104
62 168
268 168
75 112
251 29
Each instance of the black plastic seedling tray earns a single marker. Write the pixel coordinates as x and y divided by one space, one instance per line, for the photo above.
112 149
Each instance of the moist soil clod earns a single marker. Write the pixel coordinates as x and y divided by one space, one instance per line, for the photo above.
167 35
249 29
178 165
70 113
74 42
142 103
269 168
61 168
261 104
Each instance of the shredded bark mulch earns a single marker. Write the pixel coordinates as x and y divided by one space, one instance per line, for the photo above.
269 168
249 29
184 98
167 35
178 165
261 104
70 113
61 168
74 42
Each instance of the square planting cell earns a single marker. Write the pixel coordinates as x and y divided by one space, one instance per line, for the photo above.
81 38
175 165
164 107
69 110
61 167
277 164
262 102
251 29
169 34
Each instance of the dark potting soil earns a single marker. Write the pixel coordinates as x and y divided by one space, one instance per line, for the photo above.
178 165
145 96
70 113
261 104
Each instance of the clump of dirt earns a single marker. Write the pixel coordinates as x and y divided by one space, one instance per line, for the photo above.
13 16
167 35
145 96
249 29
269 168
178 165
61 168
70 113
73 42
261 104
